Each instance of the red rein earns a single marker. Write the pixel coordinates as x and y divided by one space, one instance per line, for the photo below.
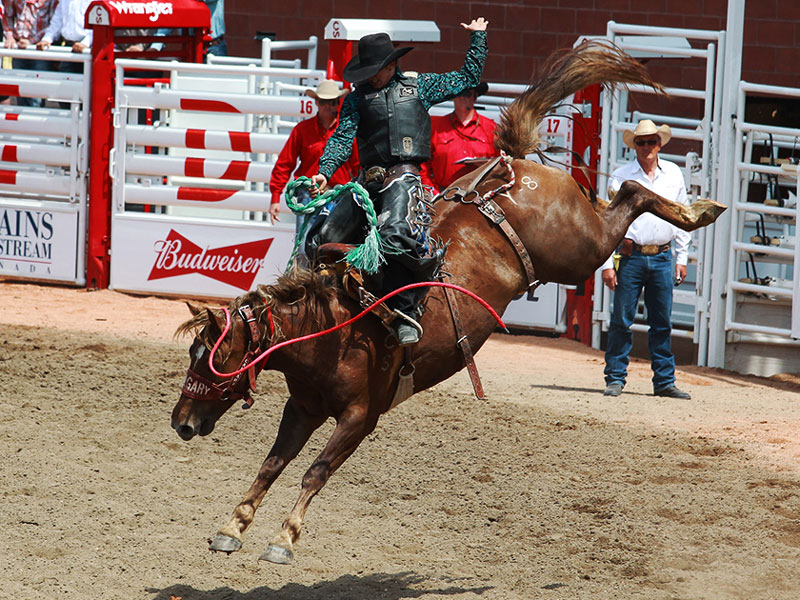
311 336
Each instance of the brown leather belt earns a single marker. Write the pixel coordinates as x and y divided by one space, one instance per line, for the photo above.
628 247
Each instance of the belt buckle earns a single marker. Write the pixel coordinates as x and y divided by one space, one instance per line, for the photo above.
650 249
375 174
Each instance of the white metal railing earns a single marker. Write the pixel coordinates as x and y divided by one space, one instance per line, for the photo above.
268 46
44 164
238 155
781 262
617 117
189 169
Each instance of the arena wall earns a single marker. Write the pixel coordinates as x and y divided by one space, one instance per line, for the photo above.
523 32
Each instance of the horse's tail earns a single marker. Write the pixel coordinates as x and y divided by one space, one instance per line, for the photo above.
563 74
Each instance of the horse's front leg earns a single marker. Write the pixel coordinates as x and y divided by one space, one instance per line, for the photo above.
351 428
293 433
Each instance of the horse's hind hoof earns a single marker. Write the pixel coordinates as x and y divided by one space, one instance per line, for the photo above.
224 543
278 555
707 210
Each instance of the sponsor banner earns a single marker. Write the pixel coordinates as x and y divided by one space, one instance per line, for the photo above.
153 10
39 242
179 257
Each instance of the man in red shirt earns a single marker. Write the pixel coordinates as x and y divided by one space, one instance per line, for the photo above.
461 134
306 142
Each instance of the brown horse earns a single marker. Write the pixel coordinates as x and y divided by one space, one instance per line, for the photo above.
352 375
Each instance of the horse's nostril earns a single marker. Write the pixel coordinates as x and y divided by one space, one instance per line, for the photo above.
185 431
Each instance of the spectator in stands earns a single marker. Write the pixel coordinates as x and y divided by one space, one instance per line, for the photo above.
124 33
24 24
67 25
463 134
217 46
306 143
645 261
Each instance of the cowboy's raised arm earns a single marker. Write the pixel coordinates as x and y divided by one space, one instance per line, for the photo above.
438 87
479 24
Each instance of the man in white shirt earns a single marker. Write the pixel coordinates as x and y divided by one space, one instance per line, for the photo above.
68 24
646 263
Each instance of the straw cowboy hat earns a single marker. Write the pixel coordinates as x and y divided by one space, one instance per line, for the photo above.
327 89
375 51
647 127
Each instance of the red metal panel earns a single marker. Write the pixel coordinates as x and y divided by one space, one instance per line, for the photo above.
150 14
102 140
586 134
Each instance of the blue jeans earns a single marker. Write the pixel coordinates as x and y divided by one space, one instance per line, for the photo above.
654 274
218 49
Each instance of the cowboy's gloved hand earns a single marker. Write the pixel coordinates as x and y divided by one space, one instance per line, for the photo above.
479 24
320 185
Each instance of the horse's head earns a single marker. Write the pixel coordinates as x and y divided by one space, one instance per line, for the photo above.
206 395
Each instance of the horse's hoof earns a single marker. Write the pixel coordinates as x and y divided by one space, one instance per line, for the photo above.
278 555
225 543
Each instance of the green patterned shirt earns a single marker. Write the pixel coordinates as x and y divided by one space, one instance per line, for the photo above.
433 88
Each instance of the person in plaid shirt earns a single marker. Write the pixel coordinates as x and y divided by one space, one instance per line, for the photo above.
24 24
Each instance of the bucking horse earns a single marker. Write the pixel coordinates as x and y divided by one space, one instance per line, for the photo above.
509 225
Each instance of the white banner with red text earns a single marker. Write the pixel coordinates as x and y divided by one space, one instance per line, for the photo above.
196 257
39 240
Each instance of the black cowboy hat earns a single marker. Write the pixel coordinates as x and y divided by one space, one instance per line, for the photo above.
375 51
480 89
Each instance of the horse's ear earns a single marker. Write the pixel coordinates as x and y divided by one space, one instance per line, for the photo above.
611 194
195 309
214 326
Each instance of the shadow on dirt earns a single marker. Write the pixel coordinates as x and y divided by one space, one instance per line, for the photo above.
583 390
378 586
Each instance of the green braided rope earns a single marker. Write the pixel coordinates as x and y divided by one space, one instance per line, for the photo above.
369 256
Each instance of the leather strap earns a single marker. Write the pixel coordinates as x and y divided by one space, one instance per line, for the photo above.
494 213
463 343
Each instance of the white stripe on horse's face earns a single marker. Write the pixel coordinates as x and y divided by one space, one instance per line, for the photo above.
198 355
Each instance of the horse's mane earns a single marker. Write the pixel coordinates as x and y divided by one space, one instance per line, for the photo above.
564 73
312 290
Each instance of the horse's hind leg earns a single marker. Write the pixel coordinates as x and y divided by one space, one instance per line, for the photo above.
295 429
689 217
351 428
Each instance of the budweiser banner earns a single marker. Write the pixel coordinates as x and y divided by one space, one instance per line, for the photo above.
222 260
39 240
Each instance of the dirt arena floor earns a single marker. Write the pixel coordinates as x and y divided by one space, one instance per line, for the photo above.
547 490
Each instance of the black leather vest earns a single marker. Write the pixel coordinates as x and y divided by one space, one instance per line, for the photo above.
394 126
